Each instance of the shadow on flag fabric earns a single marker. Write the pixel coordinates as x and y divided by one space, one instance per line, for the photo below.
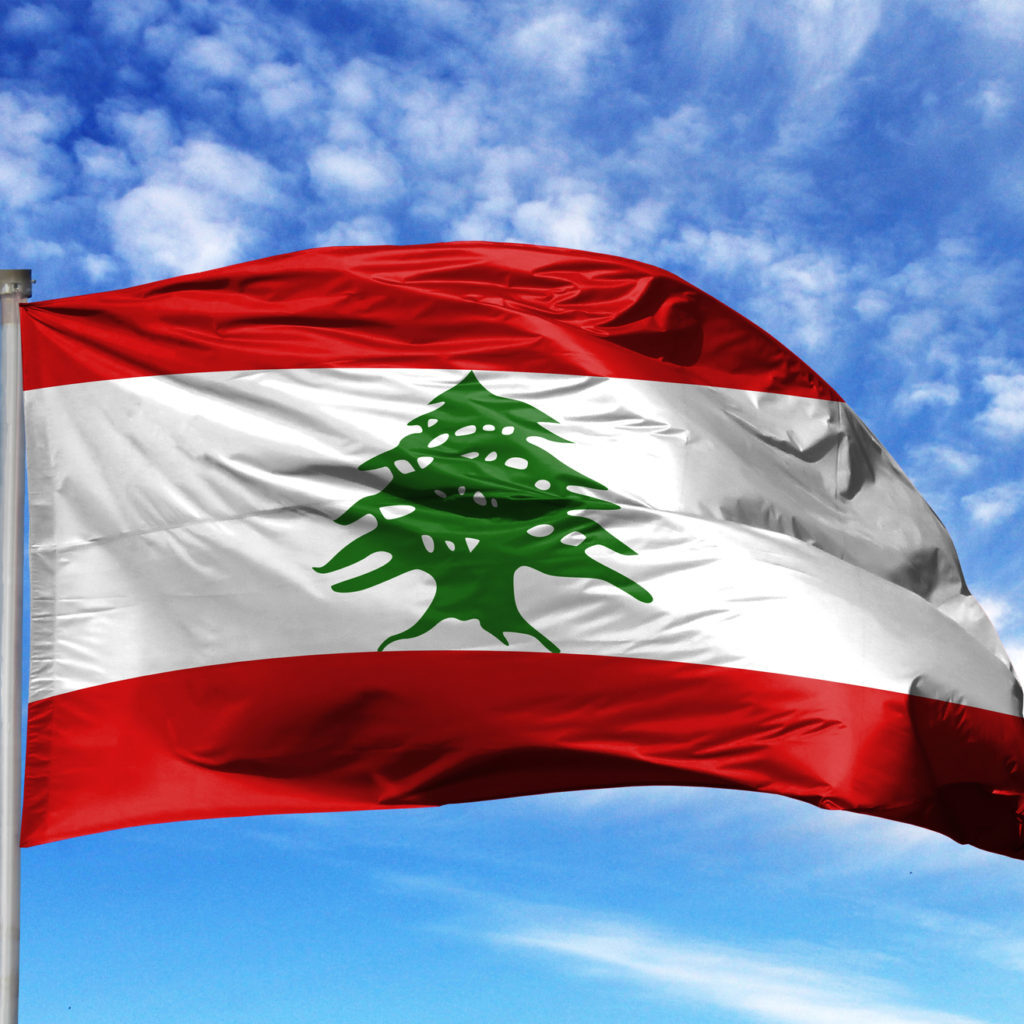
403 526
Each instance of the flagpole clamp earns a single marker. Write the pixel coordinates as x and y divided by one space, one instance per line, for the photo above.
16 282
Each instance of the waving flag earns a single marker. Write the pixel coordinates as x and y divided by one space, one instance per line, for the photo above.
401 526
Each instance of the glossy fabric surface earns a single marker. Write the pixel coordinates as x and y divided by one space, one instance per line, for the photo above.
771 604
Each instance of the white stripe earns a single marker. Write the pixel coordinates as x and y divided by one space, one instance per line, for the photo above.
176 521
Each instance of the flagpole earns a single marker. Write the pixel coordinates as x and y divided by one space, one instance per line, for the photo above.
15 285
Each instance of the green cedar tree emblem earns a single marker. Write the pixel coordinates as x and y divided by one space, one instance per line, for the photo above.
471 500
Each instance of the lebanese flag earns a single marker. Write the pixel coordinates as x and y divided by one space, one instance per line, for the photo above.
403 526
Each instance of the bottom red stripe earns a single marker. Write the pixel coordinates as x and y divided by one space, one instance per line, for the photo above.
399 729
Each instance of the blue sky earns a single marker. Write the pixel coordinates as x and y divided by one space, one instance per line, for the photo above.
847 173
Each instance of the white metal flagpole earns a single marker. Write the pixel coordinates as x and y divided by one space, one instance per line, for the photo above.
15 285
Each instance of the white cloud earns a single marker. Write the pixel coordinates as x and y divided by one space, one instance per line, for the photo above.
99 267
216 56
571 213
993 101
193 211
103 164
872 304
730 978
815 45
994 504
934 393
729 252
968 936
147 135
807 286
368 174
562 43
956 276
33 250
202 61
574 218
941 308
164 41
687 131
441 130
1007 186
1004 417
163 229
912 332
944 459
1001 18
32 20
819 44
459 17
504 170
33 165
364 230
223 171
125 17
1000 610
283 89
356 86
172 208
828 36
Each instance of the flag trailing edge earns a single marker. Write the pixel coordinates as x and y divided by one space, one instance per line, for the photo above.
400 526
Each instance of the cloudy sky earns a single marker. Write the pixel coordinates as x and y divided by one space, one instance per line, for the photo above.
847 173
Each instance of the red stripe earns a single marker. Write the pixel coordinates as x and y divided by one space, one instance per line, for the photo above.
341 732
465 305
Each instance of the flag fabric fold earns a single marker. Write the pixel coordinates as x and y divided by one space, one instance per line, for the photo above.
400 526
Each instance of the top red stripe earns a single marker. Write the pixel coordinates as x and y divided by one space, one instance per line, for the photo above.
465 305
